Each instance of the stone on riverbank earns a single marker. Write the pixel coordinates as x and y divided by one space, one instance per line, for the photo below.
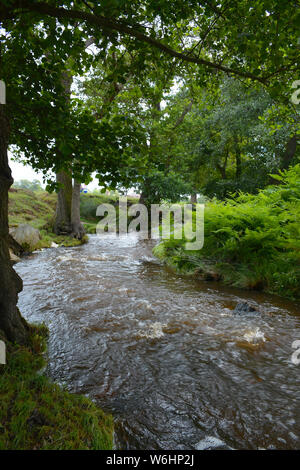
26 236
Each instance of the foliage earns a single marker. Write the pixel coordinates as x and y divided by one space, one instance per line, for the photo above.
254 41
34 185
225 142
157 186
42 42
251 241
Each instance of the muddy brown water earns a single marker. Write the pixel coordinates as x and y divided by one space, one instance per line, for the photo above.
164 354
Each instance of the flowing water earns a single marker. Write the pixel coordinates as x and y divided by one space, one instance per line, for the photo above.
166 355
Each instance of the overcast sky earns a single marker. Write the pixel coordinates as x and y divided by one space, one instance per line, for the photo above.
25 172
21 172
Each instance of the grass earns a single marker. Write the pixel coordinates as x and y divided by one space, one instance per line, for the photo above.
36 414
251 241
89 204
37 209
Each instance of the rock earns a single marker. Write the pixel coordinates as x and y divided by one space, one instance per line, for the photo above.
14 246
27 236
54 245
244 308
36 419
14 258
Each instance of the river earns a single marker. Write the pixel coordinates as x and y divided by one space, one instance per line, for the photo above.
166 355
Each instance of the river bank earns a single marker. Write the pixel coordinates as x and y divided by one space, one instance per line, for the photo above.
37 209
250 241
36 414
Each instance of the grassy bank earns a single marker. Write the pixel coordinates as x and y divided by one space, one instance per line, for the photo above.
37 414
251 241
37 208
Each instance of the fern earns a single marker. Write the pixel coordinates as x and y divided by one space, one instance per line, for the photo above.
252 240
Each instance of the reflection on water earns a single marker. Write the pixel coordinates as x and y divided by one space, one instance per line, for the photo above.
166 355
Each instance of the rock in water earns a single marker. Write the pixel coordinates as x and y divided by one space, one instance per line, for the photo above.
27 236
243 307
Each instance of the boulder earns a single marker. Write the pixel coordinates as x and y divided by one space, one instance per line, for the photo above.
26 236
242 308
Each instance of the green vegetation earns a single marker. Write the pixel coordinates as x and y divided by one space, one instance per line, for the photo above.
88 207
37 209
37 414
251 241
230 139
34 185
90 202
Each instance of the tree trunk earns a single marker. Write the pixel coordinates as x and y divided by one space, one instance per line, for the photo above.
142 199
222 168
14 246
193 198
290 151
238 159
77 227
12 324
62 223
222 171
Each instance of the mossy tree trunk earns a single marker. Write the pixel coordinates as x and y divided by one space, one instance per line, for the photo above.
67 217
62 223
12 324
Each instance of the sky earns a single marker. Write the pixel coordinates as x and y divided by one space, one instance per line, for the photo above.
25 172
21 172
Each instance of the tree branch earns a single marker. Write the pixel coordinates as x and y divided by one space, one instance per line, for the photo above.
183 114
110 24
